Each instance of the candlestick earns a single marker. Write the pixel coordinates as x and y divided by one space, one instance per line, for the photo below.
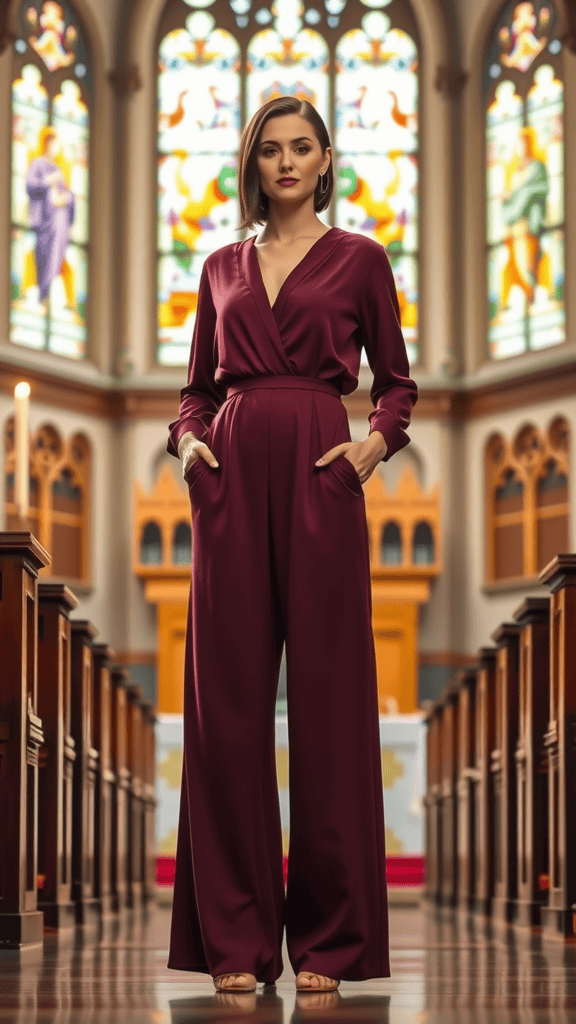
22 480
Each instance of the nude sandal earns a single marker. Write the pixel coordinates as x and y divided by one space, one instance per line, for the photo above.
320 988
233 988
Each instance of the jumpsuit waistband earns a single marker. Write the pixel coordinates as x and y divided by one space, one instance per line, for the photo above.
282 380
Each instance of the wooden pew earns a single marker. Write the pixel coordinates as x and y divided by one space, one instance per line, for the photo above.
465 761
448 882
57 757
502 769
119 865
533 615
21 736
150 802
85 774
483 801
135 803
432 803
559 914
81 832
507 729
105 777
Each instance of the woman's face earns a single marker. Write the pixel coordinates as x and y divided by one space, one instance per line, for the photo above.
288 148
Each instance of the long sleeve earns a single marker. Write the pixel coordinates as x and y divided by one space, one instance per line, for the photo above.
393 392
202 396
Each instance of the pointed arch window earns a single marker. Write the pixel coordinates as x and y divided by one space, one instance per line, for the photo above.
182 544
151 544
422 544
356 61
391 545
51 102
527 500
524 102
60 474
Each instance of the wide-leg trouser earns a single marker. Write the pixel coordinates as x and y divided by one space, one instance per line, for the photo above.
280 552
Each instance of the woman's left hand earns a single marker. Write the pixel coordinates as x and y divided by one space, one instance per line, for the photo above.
367 454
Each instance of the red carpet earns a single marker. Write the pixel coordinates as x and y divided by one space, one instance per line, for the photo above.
400 871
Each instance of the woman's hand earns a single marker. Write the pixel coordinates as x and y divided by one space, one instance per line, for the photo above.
368 454
190 449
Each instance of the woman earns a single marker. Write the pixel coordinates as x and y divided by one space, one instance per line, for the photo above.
280 554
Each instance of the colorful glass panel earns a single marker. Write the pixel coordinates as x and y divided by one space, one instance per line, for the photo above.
376 145
217 66
525 182
51 95
287 60
198 135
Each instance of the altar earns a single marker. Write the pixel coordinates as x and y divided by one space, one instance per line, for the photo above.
402 745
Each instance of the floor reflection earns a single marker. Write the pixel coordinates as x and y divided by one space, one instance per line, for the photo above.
445 968
266 1008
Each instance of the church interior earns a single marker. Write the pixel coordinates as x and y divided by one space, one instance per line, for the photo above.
452 124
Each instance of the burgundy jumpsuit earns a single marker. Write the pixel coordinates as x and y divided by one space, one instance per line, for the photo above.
280 554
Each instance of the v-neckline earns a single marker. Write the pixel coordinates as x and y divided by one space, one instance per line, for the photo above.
254 255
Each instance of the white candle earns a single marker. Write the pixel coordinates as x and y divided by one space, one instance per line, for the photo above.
21 489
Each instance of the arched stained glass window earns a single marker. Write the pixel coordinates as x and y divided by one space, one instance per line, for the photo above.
376 145
356 61
51 98
524 98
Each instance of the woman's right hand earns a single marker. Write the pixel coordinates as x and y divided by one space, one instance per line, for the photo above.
190 449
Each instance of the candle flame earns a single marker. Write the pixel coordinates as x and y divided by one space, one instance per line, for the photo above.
22 390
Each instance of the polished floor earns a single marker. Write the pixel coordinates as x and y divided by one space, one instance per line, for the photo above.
445 969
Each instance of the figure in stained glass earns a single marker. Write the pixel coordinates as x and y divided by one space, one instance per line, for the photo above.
525 182
524 213
55 44
524 42
51 94
51 214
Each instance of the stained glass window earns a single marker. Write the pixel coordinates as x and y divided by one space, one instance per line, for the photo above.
51 94
356 61
524 98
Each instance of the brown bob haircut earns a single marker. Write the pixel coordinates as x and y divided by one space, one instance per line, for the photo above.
253 201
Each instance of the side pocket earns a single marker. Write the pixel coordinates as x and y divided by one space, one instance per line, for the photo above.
199 466
196 471
347 474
